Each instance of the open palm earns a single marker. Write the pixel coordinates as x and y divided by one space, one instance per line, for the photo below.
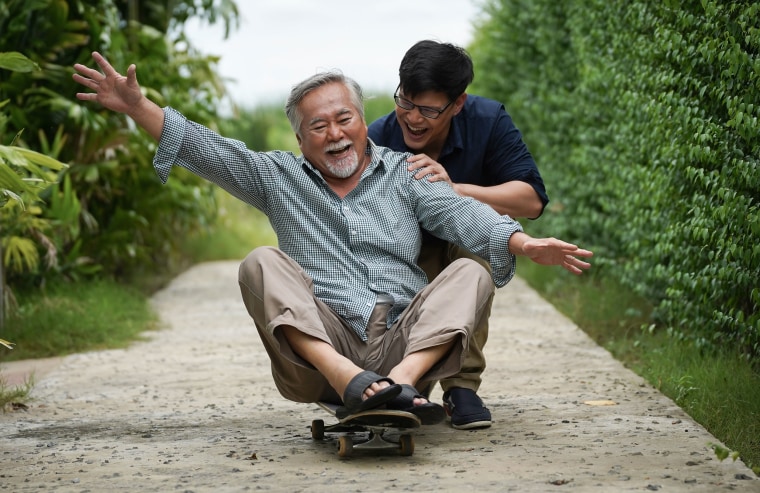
112 90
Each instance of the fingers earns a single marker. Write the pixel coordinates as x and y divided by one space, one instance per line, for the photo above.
132 75
106 67
89 83
575 265
419 161
86 72
87 96
580 252
90 77
434 172
85 81
424 166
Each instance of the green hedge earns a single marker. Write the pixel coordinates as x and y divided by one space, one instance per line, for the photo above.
643 117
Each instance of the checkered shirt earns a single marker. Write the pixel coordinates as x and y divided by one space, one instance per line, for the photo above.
353 248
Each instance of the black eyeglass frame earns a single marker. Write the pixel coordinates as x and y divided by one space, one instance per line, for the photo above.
426 111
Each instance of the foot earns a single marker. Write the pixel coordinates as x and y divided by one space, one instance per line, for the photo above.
466 410
411 401
355 397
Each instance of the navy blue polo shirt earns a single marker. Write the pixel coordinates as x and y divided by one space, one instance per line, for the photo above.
483 146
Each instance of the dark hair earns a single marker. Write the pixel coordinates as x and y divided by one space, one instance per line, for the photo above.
433 66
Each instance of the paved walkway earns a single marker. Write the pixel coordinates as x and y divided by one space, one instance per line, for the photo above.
193 408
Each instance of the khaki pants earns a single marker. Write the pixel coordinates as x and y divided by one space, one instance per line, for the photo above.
435 256
277 292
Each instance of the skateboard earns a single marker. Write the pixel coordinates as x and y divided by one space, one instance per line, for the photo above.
372 426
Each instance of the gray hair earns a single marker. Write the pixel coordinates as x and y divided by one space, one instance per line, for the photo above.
300 90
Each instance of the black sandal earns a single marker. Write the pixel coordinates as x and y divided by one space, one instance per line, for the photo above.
429 413
352 397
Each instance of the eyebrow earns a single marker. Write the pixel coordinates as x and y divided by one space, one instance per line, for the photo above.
340 113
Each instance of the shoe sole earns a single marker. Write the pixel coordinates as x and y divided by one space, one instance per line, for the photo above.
472 426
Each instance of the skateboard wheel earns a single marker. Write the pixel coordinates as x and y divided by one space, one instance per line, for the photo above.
406 445
317 429
345 446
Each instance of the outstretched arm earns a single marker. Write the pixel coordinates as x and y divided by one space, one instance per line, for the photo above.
550 251
119 93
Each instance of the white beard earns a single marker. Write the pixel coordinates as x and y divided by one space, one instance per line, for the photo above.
344 167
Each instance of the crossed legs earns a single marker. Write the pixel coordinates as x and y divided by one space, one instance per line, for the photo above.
314 353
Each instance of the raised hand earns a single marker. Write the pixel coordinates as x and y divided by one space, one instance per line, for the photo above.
119 93
113 90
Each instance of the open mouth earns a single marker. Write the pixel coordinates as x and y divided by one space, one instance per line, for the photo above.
339 150
416 131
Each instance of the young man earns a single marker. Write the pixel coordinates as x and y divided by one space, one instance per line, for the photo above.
342 309
471 143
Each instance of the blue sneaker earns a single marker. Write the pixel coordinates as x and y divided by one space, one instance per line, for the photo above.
466 410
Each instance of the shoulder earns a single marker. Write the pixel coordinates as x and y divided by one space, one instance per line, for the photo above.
479 106
393 160
483 115
382 129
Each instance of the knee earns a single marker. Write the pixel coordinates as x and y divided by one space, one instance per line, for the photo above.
261 255
477 276
250 268
474 270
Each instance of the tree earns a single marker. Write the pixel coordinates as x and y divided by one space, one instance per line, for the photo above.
122 217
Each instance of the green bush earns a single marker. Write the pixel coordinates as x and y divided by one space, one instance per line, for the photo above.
643 117
126 220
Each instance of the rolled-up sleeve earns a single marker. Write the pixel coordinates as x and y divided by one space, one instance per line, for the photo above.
501 260
169 144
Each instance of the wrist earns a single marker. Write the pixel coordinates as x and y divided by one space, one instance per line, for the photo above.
517 243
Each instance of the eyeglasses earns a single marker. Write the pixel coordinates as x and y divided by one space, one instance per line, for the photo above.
425 111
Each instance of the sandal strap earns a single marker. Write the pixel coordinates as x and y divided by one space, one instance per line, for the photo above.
352 396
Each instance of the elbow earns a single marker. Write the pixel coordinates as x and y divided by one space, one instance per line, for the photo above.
535 209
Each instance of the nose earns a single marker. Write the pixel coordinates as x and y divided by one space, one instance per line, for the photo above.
334 131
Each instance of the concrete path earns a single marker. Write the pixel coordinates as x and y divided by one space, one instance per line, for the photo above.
193 408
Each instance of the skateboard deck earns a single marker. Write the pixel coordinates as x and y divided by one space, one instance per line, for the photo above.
367 430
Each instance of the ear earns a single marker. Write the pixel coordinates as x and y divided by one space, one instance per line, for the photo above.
459 103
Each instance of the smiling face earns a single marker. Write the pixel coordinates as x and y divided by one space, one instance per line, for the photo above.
427 135
333 135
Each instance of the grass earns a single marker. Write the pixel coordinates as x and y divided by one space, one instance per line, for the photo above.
14 397
77 317
720 391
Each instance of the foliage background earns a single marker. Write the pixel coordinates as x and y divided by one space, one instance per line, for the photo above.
108 215
644 119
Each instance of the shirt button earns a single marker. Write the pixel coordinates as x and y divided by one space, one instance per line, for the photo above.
353 232
369 304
